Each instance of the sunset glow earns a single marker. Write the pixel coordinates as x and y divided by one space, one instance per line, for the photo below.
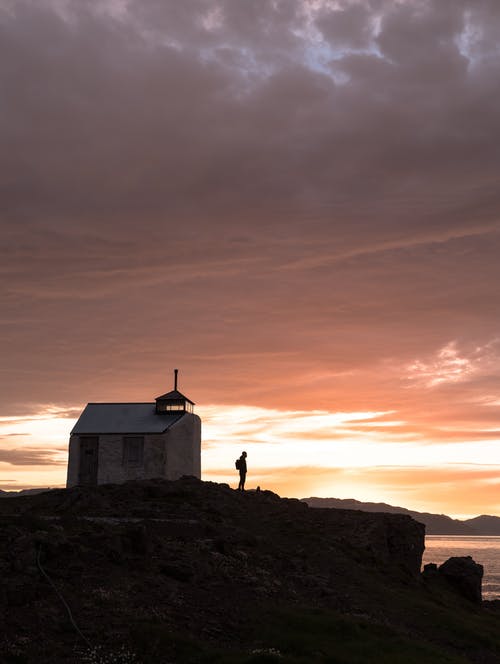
295 453
294 202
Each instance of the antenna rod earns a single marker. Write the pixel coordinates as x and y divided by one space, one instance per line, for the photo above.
176 371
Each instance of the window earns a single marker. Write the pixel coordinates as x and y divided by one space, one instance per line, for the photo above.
133 450
169 406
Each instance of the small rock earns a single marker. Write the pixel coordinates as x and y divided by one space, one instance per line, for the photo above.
430 570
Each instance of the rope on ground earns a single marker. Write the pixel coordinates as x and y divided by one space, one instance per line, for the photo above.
70 615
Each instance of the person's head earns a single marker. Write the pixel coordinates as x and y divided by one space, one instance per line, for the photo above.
243 454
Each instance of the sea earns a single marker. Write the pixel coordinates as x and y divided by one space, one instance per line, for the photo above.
484 550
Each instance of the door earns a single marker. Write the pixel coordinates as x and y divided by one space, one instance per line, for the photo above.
89 449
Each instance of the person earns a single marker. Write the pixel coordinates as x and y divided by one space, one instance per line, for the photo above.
242 467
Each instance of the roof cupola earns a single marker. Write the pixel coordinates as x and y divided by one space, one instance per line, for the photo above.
174 400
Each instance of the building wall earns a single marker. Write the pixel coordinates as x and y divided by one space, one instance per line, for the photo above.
111 468
183 448
73 461
169 455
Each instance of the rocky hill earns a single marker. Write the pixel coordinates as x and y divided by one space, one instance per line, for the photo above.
194 572
435 524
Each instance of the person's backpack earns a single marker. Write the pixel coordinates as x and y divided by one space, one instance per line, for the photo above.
237 464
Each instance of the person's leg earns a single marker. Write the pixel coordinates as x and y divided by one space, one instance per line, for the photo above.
242 481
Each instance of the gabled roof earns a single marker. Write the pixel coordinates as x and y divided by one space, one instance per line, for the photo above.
123 418
175 395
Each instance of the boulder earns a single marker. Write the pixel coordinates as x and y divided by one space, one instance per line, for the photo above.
430 571
464 575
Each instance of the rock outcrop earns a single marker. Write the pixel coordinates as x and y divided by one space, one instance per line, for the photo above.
465 575
461 573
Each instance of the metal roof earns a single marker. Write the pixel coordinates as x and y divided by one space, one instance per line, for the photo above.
102 418
175 395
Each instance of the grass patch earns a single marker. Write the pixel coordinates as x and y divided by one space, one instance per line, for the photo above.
296 637
449 619
326 637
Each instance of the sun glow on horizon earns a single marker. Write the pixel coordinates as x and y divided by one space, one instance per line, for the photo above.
297 453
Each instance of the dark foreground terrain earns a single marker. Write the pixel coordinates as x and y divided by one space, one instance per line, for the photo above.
194 572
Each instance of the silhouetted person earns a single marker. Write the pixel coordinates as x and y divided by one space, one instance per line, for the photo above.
241 465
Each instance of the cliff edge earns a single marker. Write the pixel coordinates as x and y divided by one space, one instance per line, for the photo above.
192 571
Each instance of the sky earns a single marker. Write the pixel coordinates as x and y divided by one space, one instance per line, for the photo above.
294 202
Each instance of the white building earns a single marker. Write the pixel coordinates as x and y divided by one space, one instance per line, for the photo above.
116 442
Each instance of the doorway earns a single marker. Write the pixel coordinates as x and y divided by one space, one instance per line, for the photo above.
89 449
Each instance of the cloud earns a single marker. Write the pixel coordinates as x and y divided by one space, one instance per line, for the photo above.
174 114
447 367
9 435
30 456
30 412
293 202
450 366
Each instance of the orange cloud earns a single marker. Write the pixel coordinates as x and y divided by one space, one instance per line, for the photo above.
230 193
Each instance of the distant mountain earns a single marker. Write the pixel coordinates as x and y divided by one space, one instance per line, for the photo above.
23 492
485 525
435 524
